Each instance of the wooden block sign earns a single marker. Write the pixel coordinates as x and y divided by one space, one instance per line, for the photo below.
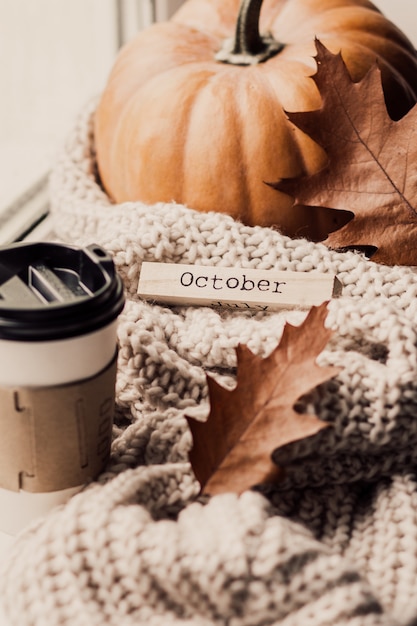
234 288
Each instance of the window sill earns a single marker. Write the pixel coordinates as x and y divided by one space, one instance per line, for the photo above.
22 216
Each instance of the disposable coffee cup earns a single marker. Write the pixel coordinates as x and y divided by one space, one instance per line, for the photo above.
58 348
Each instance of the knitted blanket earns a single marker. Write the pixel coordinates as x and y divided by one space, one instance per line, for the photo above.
335 543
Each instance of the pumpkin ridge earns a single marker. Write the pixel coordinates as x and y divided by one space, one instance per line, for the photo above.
294 138
247 208
407 77
202 73
297 138
216 177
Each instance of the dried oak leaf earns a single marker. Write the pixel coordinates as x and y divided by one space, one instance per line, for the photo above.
372 163
232 450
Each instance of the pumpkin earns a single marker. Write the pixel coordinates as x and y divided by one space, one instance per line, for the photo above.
194 108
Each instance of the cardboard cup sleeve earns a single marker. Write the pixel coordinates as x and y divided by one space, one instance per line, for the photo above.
56 437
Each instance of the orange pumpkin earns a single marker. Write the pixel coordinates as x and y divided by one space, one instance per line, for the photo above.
195 114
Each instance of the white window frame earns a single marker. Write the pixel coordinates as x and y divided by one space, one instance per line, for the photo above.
26 217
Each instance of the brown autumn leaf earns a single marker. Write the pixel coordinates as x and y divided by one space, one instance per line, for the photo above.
372 168
232 450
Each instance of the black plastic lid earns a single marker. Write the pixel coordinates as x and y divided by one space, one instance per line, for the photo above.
52 291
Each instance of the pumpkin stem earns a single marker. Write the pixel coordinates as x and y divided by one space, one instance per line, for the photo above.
249 47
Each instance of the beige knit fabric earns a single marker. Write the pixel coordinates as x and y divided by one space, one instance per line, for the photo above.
335 544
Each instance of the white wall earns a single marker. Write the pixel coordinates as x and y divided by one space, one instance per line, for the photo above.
54 55
403 13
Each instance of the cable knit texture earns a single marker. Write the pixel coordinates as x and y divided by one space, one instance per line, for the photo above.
336 543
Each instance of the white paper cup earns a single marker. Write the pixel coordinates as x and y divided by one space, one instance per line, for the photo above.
58 319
